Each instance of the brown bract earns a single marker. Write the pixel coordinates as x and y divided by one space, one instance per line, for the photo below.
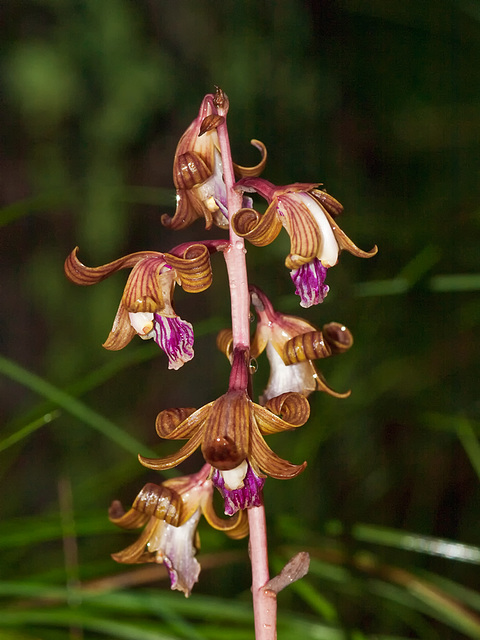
230 430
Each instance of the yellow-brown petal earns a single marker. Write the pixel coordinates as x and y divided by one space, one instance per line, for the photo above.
149 287
253 172
344 241
236 526
188 421
264 458
302 229
210 122
257 229
312 345
193 268
328 202
189 170
225 342
227 431
136 553
130 519
169 462
292 407
122 331
268 422
78 273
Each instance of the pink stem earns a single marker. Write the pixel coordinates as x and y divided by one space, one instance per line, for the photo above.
264 601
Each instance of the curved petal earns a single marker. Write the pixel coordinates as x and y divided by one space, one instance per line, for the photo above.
335 338
169 462
225 343
268 461
293 408
259 230
323 386
189 420
235 527
252 172
344 241
131 519
269 423
193 269
122 331
78 273
135 553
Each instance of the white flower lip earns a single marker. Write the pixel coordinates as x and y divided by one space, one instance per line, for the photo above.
234 477
328 251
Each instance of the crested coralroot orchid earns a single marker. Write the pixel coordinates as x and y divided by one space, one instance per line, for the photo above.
230 432
292 344
170 513
307 213
146 305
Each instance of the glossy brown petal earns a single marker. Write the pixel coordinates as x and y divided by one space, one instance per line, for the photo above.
210 122
302 229
236 527
225 342
179 424
169 462
193 269
227 431
292 407
78 273
131 519
253 172
264 458
344 241
259 230
149 287
328 202
338 337
190 170
122 331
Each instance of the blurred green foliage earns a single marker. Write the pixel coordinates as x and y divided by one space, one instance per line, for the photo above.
381 102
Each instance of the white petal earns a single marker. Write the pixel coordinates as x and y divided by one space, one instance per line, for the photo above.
142 322
328 251
234 477
299 377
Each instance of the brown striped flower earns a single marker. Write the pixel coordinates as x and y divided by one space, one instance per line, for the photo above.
170 513
146 305
307 214
292 344
230 432
198 170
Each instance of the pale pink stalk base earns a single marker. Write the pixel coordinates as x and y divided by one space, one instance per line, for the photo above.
264 600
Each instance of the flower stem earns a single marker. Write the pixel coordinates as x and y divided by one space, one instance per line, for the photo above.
264 601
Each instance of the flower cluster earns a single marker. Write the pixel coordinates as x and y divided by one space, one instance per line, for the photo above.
230 431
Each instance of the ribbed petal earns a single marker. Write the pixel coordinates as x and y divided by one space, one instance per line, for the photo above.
227 431
122 331
179 424
169 462
236 527
193 269
257 229
294 408
344 241
77 272
150 287
302 228
263 458
252 172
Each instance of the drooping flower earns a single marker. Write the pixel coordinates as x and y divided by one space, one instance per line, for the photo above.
198 170
170 513
307 214
230 432
292 344
146 306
